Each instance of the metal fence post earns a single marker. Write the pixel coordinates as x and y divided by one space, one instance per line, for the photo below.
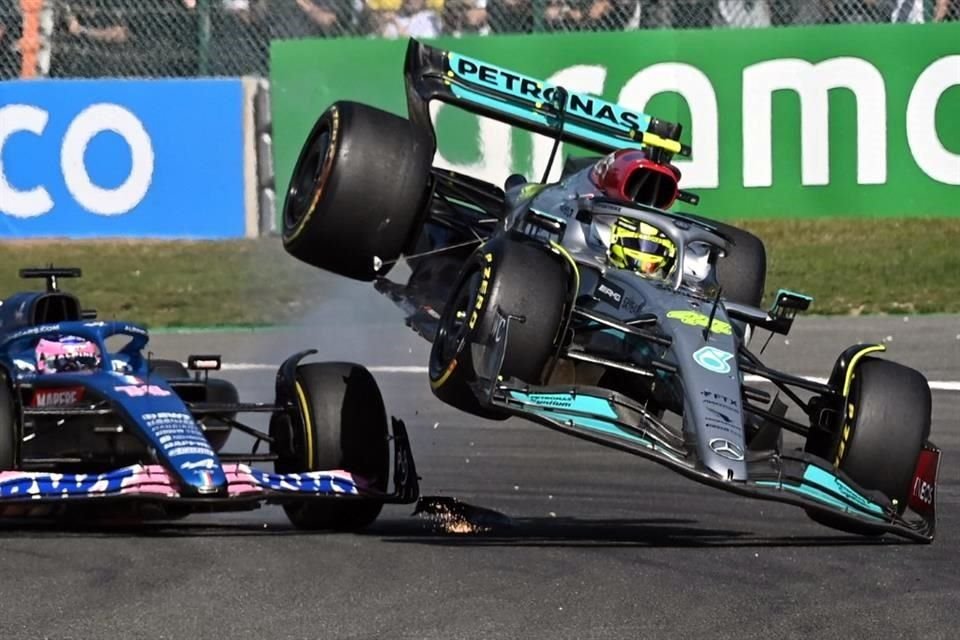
538 7
203 38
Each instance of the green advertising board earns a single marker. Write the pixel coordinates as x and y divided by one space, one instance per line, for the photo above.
846 120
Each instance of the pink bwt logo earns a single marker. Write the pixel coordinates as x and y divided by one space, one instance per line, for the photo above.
138 391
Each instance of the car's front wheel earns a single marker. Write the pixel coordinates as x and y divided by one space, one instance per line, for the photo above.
342 425
885 425
504 278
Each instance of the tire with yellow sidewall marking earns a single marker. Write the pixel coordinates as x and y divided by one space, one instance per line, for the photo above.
885 424
516 278
342 425
357 191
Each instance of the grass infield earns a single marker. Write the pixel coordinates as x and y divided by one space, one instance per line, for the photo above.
850 267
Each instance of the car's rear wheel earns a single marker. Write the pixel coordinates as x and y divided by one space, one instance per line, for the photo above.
342 425
357 191
507 277
886 422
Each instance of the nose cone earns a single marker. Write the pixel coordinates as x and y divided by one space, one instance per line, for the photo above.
208 481
725 458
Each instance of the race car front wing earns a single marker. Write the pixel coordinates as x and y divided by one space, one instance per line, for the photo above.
794 477
244 483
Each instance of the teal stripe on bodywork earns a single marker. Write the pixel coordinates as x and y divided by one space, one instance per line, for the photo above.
816 480
571 128
818 476
560 401
547 405
597 425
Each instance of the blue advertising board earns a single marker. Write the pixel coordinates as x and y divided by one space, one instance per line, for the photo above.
121 158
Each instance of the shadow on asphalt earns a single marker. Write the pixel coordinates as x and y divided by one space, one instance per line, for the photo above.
524 532
573 532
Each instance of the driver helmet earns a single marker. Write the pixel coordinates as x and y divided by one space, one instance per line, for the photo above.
641 247
68 353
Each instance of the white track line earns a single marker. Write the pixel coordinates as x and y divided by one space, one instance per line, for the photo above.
936 385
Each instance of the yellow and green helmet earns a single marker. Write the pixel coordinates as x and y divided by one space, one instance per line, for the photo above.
641 247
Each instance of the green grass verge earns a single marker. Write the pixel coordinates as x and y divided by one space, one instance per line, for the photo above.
243 283
866 266
849 266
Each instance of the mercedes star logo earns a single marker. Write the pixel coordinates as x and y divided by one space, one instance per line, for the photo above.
726 449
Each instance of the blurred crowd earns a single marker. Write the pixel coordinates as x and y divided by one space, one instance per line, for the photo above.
83 38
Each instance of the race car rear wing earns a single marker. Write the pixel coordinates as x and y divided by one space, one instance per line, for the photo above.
528 103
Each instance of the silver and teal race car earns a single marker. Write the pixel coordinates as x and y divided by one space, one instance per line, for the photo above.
591 306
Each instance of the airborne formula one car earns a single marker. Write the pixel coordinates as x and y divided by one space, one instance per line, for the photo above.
588 306
84 425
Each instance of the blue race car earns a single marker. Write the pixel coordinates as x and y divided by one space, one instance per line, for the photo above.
86 425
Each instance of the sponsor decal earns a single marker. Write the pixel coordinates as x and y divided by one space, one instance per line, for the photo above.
726 449
609 293
23 365
35 331
138 391
134 330
126 377
199 464
718 399
179 435
530 190
559 400
581 105
697 319
923 487
61 397
716 412
486 275
97 158
633 306
713 359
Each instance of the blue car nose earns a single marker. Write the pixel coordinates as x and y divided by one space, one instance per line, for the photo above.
206 482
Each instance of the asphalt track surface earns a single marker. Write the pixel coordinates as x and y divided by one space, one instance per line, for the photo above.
602 545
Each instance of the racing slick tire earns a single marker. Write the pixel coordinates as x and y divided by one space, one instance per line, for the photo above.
519 279
357 191
890 405
8 426
342 425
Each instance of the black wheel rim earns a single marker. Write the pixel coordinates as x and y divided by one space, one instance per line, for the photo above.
454 325
304 183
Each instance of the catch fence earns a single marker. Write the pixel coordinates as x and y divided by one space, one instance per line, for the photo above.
190 38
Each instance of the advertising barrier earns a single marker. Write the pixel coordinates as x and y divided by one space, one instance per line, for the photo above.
122 158
838 120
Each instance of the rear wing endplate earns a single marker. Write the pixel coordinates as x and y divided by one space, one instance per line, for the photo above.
488 90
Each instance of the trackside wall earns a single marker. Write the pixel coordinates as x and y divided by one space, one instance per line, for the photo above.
126 158
844 120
